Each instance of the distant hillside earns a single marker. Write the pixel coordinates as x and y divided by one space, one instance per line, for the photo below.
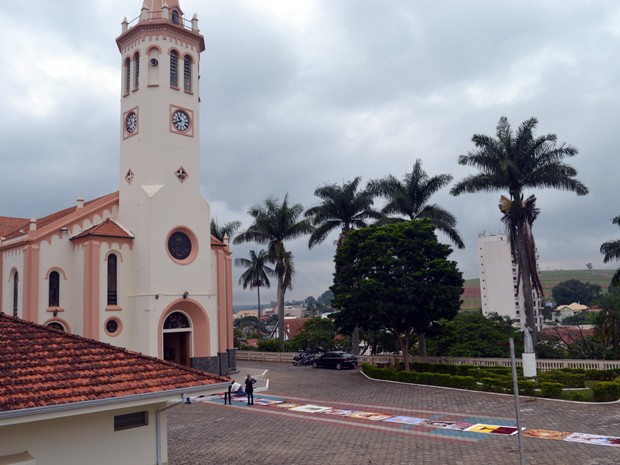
549 279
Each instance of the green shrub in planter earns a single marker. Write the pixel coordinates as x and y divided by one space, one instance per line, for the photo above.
527 387
551 390
568 379
602 375
606 391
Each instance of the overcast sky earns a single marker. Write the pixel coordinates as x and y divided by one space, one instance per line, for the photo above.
296 94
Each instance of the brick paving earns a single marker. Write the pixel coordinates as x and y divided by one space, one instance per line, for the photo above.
211 433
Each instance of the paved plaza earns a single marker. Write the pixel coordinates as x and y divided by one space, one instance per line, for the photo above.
209 432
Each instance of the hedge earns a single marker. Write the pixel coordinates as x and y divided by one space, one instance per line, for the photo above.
551 390
568 379
606 391
431 379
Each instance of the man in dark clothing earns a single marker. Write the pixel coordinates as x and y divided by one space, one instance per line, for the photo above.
227 394
249 388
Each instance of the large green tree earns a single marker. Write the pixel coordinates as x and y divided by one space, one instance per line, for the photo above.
471 334
573 290
274 223
256 274
515 162
611 250
396 277
410 198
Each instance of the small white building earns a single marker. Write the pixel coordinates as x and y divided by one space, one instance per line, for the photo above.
499 290
69 400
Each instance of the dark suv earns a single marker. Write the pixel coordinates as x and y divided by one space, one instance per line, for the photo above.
336 359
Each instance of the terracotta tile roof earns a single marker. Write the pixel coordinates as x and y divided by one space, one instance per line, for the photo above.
41 367
8 224
107 228
45 220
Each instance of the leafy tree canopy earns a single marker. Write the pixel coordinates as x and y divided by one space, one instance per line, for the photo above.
471 334
395 276
573 290
315 333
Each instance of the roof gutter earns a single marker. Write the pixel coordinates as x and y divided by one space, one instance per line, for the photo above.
61 408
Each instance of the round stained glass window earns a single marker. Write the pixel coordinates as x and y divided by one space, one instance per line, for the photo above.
179 245
111 326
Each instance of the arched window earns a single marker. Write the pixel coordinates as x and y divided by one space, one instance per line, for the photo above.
176 320
15 293
136 70
54 289
56 325
175 16
187 73
174 59
127 75
112 279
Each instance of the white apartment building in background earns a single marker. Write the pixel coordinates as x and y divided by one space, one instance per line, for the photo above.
499 290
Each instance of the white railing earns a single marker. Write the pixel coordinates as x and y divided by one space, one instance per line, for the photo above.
390 360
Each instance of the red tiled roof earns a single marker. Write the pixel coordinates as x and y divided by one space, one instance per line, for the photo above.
41 367
107 228
45 220
8 224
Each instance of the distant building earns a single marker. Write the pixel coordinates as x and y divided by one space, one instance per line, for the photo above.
499 290
566 311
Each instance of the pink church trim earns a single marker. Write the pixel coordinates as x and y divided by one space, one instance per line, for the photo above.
31 283
224 297
91 288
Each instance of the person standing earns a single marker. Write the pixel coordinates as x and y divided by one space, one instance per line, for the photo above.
249 388
228 393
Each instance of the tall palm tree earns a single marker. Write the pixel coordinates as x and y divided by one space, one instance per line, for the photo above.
611 250
516 162
274 223
227 229
342 207
410 197
256 274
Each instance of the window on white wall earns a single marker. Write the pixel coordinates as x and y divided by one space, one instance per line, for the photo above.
15 294
136 70
112 279
174 77
187 73
54 289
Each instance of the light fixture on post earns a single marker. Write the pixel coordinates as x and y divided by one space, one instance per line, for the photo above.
185 294
55 313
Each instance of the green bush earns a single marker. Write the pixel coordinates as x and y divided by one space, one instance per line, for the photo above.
527 387
269 345
432 379
551 390
606 391
566 377
602 375
576 396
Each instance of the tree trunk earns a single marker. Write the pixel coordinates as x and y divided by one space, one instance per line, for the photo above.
281 311
355 341
404 347
258 292
422 344
526 283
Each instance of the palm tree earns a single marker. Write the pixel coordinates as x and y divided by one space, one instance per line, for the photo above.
274 223
410 197
256 274
611 250
343 207
227 229
515 162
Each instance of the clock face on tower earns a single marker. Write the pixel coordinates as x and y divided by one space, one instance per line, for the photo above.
131 122
180 120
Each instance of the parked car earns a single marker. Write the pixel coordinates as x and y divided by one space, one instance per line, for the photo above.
335 359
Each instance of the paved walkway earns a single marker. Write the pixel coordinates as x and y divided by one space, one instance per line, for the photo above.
209 432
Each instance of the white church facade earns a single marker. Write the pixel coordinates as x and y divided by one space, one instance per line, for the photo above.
137 268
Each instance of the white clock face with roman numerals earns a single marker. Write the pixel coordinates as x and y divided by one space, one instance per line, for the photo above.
180 120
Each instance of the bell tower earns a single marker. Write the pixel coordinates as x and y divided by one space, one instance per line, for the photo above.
172 267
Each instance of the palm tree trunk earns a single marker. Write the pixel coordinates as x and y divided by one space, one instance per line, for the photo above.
280 298
258 292
526 281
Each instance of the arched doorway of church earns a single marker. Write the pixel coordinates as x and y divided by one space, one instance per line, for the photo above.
177 334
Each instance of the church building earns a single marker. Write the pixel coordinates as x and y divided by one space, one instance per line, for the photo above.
136 268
